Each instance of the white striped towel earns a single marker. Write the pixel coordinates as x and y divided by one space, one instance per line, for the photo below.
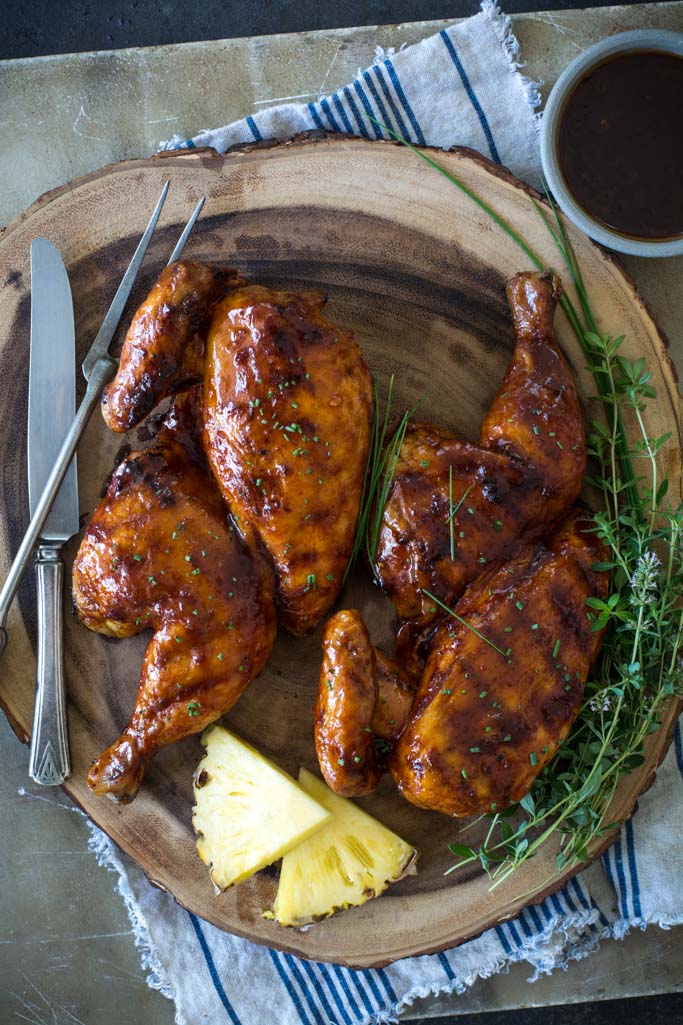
459 87
463 87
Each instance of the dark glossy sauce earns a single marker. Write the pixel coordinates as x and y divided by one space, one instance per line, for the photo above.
620 144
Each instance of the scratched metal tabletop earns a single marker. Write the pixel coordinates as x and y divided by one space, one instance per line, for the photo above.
67 955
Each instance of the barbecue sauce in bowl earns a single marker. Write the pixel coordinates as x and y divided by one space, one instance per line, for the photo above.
620 144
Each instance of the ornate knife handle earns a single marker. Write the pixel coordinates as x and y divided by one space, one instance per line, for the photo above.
49 756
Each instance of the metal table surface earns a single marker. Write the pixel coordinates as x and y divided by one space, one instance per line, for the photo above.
66 946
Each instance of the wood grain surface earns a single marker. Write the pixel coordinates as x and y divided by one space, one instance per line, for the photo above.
418 273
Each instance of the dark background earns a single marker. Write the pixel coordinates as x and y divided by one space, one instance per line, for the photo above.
31 29
53 26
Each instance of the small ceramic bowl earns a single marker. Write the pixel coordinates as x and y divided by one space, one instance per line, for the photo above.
624 42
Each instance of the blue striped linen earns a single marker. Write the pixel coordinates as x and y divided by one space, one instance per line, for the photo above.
461 86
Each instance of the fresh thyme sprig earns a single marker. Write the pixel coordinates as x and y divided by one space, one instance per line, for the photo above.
640 665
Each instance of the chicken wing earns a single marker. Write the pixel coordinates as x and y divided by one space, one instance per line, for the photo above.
362 707
520 480
487 719
288 406
163 352
160 553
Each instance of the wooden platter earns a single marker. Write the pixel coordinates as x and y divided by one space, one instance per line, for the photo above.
418 272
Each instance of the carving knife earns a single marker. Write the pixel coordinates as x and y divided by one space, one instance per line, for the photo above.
51 410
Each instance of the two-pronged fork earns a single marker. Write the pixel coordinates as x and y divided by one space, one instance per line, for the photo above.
98 368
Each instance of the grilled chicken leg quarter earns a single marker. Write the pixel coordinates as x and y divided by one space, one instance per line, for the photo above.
159 553
286 417
517 483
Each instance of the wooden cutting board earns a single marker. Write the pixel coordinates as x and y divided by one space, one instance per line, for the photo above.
418 272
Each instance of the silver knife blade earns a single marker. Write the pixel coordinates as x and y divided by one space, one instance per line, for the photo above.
52 387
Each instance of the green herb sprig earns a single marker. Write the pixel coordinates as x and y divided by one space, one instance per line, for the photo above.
380 470
464 622
639 669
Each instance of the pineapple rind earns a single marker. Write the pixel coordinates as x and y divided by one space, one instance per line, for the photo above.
351 859
247 811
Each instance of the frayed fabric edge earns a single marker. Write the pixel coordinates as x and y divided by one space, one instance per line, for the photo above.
107 856
577 948
502 26
581 948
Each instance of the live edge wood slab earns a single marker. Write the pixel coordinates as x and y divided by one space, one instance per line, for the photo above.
417 271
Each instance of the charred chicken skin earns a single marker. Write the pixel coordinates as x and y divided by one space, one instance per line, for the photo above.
497 693
160 554
286 417
517 483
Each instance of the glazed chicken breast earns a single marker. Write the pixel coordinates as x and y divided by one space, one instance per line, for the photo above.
288 406
159 553
487 719
501 688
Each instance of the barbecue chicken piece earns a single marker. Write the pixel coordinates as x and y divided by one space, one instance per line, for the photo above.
287 412
159 553
504 676
517 483
484 724
286 418
499 693
362 699
163 352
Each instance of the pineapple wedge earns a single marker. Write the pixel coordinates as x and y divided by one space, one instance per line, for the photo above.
351 859
247 811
